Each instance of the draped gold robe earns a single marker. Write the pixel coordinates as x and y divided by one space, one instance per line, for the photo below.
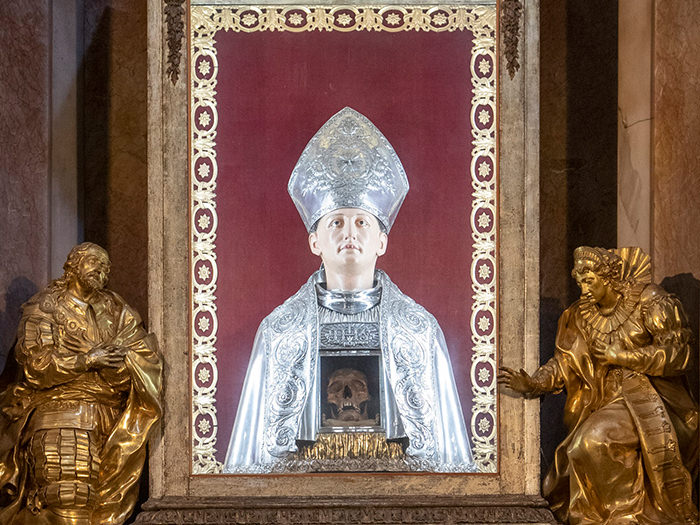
56 391
632 449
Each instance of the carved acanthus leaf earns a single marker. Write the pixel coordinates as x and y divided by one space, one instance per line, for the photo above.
175 21
511 13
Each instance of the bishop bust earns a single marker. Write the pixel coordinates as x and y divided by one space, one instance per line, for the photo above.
348 186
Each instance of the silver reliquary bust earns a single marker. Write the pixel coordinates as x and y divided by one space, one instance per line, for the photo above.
349 374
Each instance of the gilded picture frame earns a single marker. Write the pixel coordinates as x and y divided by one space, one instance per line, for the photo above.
210 23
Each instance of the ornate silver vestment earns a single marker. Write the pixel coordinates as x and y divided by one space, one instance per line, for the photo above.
274 410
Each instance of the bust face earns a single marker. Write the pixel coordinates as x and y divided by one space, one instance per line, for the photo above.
348 239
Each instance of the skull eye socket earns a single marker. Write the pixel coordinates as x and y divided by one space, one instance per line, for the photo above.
358 386
336 387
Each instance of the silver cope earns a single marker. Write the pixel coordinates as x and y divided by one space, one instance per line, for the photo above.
348 164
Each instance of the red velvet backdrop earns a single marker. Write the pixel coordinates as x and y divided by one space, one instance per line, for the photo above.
274 91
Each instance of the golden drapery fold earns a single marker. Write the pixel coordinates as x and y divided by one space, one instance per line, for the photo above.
612 412
118 405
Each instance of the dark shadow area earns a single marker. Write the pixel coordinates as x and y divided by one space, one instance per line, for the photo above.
578 171
18 293
143 490
93 184
687 289
591 142
551 405
113 170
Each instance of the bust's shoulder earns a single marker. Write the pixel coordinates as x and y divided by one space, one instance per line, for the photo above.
110 296
573 309
295 306
47 294
393 295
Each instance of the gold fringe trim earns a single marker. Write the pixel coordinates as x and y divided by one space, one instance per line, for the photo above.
351 445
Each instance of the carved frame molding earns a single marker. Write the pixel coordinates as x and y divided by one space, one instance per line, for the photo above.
175 22
176 496
215 511
206 22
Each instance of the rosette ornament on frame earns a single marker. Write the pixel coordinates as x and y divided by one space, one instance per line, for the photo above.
348 164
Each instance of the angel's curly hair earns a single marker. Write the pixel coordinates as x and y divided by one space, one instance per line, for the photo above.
604 263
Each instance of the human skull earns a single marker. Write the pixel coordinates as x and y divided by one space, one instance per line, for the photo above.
348 395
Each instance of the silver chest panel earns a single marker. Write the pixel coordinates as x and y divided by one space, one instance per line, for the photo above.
349 335
342 331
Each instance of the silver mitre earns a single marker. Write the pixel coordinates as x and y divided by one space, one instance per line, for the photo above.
348 164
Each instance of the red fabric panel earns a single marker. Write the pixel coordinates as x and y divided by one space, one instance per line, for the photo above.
274 91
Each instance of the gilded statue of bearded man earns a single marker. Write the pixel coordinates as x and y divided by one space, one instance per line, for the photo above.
73 430
632 450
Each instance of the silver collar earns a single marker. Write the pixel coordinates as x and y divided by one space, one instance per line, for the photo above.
347 303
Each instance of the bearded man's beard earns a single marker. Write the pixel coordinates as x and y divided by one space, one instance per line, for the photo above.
92 281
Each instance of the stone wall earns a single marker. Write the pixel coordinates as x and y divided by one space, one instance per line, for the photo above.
25 95
73 137
675 177
659 130
114 172
676 136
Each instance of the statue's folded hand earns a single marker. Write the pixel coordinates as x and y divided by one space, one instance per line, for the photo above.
74 343
106 356
612 354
